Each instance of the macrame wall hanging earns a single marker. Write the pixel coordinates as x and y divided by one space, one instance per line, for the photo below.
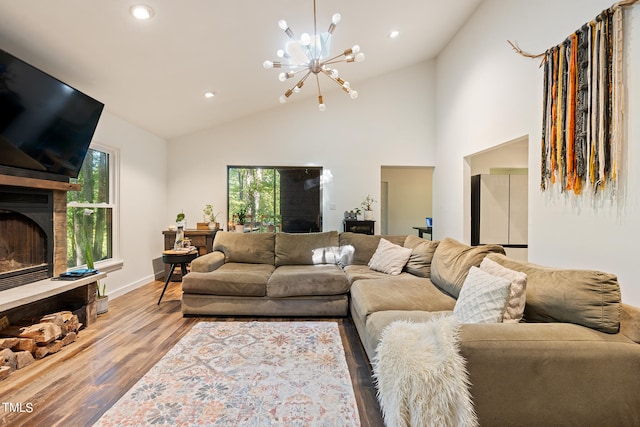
582 132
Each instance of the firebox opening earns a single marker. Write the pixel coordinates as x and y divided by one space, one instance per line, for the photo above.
26 237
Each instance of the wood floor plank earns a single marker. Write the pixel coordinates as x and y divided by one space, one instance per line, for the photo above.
75 386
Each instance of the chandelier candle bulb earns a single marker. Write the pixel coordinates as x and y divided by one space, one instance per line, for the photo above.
321 105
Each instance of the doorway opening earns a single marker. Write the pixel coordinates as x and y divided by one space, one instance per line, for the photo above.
405 198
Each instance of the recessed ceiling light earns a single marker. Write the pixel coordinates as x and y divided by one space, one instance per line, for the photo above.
393 34
209 94
141 11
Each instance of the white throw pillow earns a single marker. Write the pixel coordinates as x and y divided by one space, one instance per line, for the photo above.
389 258
518 289
483 298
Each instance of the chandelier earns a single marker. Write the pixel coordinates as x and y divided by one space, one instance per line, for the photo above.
310 56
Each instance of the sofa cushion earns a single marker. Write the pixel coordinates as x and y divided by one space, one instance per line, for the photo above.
483 298
365 245
230 279
370 296
419 263
307 280
517 290
584 297
452 261
389 258
361 272
306 248
378 321
254 248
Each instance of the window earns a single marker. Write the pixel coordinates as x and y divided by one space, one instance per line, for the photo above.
90 211
275 198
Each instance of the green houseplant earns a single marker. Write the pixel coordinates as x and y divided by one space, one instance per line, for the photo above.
210 217
241 216
208 213
102 299
181 220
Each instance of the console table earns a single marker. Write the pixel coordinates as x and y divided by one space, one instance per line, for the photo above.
201 239
422 230
362 227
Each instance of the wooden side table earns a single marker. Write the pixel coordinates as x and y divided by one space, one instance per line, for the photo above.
174 258
201 239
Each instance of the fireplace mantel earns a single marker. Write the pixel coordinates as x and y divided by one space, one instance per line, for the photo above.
43 184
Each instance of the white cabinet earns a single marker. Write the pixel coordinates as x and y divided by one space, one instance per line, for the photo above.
499 209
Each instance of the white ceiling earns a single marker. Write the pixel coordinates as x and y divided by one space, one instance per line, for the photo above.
154 73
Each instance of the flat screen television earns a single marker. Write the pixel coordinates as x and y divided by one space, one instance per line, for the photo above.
46 126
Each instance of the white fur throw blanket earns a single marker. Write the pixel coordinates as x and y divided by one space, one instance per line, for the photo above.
421 377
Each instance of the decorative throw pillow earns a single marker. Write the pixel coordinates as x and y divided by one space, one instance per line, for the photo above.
419 263
517 291
389 258
483 298
452 260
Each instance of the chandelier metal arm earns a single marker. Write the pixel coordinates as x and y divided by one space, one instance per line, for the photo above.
338 81
335 57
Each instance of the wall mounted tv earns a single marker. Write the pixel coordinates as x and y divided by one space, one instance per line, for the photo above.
46 126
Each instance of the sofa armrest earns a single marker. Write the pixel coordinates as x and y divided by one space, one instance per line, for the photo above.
630 322
516 369
208 262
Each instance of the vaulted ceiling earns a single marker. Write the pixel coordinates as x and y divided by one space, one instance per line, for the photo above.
154 73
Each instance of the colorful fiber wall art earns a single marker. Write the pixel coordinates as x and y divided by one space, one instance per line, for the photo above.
582 132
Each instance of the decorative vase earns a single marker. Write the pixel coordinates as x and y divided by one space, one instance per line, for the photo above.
213 226
102 304
179 243
368 215
239 228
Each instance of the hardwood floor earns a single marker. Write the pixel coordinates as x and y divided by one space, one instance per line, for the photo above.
77 385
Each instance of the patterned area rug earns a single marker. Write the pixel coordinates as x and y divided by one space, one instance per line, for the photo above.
245 374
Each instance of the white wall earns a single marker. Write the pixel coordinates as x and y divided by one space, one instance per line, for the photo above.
391 123
487 94
142 201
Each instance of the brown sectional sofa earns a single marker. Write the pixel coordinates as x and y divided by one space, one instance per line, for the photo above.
267 274
573 360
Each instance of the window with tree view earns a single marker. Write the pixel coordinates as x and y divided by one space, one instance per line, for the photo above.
274 198
90 212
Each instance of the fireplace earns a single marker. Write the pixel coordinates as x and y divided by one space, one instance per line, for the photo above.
26 236
33 250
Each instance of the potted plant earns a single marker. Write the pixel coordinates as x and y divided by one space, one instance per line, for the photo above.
207 212
102 299
210 217
366 205
241 216
181 221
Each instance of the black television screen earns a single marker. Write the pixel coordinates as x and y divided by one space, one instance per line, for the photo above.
45 124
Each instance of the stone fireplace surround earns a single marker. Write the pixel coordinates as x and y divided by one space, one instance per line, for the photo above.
48 296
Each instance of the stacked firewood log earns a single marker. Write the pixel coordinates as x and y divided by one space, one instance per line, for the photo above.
27 340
